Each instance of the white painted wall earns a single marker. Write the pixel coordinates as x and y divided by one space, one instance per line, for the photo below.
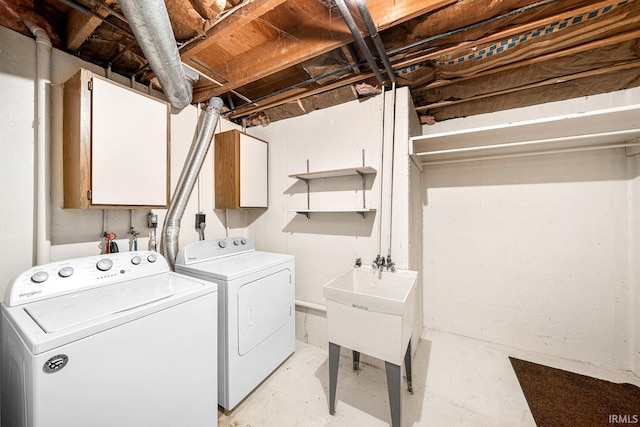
327 244
74 232
17 147
534 252
634 264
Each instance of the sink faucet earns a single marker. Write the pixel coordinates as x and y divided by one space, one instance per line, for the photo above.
390 264
379 262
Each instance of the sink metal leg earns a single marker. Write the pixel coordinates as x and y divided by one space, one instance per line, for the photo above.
356 360
334 360
407 367
393 387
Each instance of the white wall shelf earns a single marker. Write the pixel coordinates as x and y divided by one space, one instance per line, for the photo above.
602 129
362 171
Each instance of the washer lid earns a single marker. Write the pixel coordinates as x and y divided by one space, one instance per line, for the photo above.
236 266
56 314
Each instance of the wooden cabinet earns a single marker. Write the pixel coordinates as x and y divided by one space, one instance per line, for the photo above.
240 164
115 145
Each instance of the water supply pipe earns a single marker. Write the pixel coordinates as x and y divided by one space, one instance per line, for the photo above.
348 19
149 21
187 181
42 127
375 36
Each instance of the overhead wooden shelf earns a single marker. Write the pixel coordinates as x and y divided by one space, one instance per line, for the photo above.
361 170
602 129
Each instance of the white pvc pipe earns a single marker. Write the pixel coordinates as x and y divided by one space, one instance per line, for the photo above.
311 305
42 126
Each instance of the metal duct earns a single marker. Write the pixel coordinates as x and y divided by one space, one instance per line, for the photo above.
150 23
188 177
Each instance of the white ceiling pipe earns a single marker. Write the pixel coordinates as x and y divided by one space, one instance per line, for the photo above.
42 124
150 23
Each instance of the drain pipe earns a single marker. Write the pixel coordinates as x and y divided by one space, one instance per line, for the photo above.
348 19
42 127
150 23
188 177
375 36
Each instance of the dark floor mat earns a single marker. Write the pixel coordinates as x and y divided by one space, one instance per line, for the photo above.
560 398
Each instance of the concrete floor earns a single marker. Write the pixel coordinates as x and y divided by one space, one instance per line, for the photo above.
457 381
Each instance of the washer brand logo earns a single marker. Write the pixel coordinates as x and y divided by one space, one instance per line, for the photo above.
55 363
360 307
29 294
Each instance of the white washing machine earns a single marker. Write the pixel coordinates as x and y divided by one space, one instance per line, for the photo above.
109 340
256 310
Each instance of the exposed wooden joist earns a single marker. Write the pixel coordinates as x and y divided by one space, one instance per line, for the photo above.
231 24
387 13
80 25
295 94
502 35
548 82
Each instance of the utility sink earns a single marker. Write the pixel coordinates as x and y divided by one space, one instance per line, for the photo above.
371 311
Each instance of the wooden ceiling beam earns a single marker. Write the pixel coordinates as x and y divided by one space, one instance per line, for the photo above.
295 94
501 35
225 28
80 25
387 13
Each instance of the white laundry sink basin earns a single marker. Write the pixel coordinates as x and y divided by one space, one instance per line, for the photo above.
371 312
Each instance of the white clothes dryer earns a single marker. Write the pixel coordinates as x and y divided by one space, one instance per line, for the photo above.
256 310
109 340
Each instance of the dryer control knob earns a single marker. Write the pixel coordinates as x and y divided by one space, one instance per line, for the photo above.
222 244
236 242
65 272
243 241
39 276
152 258
136 260
104 264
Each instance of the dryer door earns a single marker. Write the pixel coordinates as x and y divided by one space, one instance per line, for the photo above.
264 307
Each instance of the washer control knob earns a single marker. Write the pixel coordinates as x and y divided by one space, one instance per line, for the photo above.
65 272
222 243
136 260
243 241
236 242
39 276
152 258
104 264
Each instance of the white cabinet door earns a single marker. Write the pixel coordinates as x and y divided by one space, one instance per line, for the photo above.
253 172
128 147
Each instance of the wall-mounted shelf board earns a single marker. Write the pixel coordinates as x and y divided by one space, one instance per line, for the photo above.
308 212
362 170
601 129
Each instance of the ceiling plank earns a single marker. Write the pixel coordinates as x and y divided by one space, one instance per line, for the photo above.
510 32
314 31
80 25
232 23
387 13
